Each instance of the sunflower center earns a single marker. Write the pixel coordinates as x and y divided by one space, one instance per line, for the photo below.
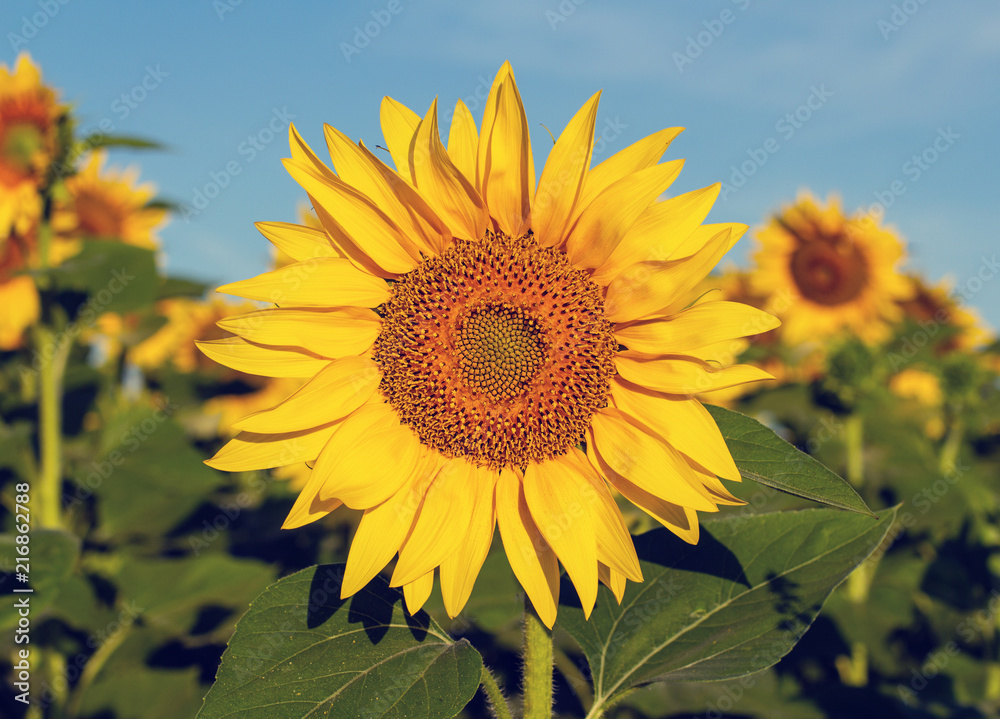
829 271
20 145
500 348
97 217
497 350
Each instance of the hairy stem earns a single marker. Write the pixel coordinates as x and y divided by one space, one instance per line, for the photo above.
501 710
537 666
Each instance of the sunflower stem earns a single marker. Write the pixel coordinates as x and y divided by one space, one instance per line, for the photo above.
49 490
537 665
949 451
854 430
501 710
859 581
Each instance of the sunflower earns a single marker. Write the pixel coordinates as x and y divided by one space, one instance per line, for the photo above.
110 204
483 353
826 273
936 311
29 119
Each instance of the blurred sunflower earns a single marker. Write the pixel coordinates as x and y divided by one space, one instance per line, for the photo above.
825 273
19 252
18 295
110 204
514 327
954 328
29 120
924 388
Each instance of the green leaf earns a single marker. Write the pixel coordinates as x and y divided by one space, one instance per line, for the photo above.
302 651
170 592
131 685
764 457
148 477
51 557
179 287
115 276
731 605
99 139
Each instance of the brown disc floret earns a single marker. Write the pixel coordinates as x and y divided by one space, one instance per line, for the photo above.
497 350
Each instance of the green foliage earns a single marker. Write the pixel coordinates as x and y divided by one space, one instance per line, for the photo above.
302 651
765 458
50 560
734 604
108 276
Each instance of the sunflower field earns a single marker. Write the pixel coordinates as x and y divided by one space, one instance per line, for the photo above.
494 436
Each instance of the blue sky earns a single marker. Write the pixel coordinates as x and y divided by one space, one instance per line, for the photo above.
835 97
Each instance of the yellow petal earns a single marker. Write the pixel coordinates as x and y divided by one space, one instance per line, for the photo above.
327 333
448 191
717 491
418 591
258 450
645 287
607 219
459 570
677 374
323 282
21 307
399 123
637 156
531 558
383 528
402 205
702 236
346 246
302 153
698 326
506 171
237 353
614 543
645 460
563 177
343 386
367 226
345 465
553 490
659 231
682 521
463 139
684 423
442 520
298 241
309 506
615 581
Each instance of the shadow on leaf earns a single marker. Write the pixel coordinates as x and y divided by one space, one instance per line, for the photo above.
372 607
